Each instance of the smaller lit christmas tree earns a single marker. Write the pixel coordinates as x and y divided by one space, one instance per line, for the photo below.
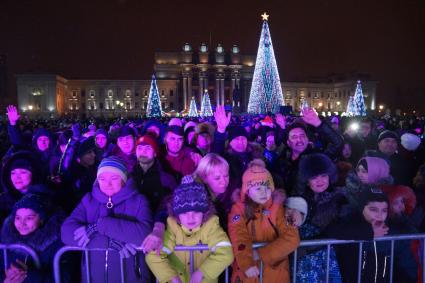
193 111
154 101
358 100
206 110
350 106
304 104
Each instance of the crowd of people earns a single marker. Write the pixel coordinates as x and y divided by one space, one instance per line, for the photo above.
137 188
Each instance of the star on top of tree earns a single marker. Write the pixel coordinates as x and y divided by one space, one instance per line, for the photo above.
265 16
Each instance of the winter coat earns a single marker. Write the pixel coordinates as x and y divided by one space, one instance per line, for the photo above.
156 185
238 162
280 239
288 169
353 188
128 221
182 164
45 241
212 262
130 160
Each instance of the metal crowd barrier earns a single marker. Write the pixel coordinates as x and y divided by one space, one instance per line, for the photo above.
323 242
20 247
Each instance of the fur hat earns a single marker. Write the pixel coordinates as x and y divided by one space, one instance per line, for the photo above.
388 134
316 164
299 204
33 202
410 141
237 131
113 164
256 175
190 197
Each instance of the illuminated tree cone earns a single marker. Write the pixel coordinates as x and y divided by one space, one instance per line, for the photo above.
350 106
266 90
360 107
206 110
154 101
193 111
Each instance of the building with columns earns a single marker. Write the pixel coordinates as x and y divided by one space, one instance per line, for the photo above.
181 75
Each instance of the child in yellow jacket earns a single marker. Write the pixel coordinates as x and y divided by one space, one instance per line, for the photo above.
254 219
191 222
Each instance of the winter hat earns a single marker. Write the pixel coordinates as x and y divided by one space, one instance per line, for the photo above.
64 137
175 122
85 146
189 124
190 197
377 168
371 194
387 134
316 164
256 175
113 164
410 142
237 131
335 120
175 130
101 132
404 192
41 132
148 140
299 204
267 121
33 202
21 163
126 131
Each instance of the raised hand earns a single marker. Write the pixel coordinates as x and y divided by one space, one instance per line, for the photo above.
196 277
281 120
222 119
379 229
13 114
311 117
252 272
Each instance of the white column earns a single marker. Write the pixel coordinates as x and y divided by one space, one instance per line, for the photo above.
189 91
222 90
232 88
184 93
217 91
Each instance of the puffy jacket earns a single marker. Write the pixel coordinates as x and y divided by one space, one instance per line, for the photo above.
281 240
212 263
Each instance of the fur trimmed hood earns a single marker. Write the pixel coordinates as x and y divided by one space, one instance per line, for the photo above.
353 182
41 239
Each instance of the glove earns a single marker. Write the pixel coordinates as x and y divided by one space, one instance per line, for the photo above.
125 250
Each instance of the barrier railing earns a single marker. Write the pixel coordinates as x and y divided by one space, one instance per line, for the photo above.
309 243
19 247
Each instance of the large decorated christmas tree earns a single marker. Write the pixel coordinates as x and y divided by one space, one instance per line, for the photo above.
206 110
358 100
350 107
266 90
154 101
193 110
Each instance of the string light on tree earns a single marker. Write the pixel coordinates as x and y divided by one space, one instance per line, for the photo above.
360 107
193 110
266 91
350 106
154 102
206 110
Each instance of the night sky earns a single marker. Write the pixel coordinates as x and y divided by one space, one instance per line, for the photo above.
116 39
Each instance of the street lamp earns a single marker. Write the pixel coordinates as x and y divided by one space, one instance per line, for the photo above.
381 107
30 107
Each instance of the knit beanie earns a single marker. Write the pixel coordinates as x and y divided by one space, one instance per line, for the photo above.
85 146
33 202
377 169
410 141
237 131
148 140
190 197
175 130
113 164
101 132
126 131
21 163
371 194
388 134
299 204
41 132
254 176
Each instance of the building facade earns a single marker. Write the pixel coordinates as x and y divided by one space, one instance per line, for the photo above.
227 77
